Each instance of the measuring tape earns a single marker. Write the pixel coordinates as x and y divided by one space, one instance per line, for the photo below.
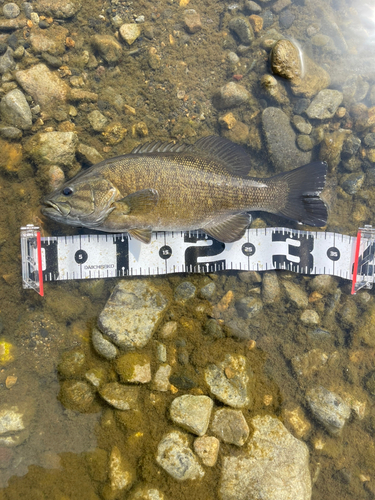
57 258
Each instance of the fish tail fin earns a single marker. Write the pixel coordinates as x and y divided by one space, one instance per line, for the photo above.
303 203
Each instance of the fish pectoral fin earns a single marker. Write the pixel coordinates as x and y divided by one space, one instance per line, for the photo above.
229 229
143 201
143 235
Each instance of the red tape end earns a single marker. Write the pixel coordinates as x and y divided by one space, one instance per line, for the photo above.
40 271
356 256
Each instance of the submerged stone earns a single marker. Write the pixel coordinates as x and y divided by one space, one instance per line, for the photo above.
328 408
15 110
192 412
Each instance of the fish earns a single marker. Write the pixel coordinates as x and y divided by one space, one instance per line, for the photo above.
166 186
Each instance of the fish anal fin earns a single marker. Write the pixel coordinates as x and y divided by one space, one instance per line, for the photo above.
229 229
140 202
143 235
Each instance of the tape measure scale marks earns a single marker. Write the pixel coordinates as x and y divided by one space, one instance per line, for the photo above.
118 255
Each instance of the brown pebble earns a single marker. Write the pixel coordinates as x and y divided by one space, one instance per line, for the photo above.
267 399
229 372
256 23
10 381
251 345
314 296
69 42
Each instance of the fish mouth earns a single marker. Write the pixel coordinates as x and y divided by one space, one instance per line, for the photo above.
53 209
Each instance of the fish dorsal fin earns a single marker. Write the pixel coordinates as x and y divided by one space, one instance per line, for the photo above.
231 156
143 201
230 229
161 147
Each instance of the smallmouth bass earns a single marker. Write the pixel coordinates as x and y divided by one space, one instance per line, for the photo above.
178 187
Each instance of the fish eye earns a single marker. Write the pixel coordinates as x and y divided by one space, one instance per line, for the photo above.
67 191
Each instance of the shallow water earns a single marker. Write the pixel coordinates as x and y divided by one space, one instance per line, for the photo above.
168 79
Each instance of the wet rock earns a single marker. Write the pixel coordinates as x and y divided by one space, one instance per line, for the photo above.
267 19
310 317
130 32
102 346
270 288
208 291
353 164
193 413
11 156
146 492
184 291
352 183
11 10
176 458
88 155
57 148
122 397
369 140
10 133
252 7
213 328
72 363
161 378
121 475
97 120
134 368
256 23
297 421
77 395
302 125
14 423
230 426
296 294
308 364
207 449
79 95
325 104
323 283
108 47
328 408
229 381
46 88
132 313
274 89
331 147
231 95
242 28
274 465
286 19
306 78
169 330
248 307
61 9
305 142
370 383
7 62
192 21
281 140
96 376
15 110
280 5
50 41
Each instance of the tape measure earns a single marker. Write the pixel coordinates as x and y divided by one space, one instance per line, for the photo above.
118 255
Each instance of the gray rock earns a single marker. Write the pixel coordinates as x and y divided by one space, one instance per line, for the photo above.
207 449
192 21
11 10
302 125
230 426
97 120
323 283
88 155
305 142
231 95
229 381
108 47
328 408
350 146
207 291
353 164
121 475
56 148
72 363
286 18
46 87
352 183
267 19
296 294
270 288
369 140
325 104
10 133
233 58
281 141
132 313
193 413
102 346
273 466
213 328
176 458
161 378
243 29
310 317
253 7
15 110
7 62
61 9
248 307
122 397
184 291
